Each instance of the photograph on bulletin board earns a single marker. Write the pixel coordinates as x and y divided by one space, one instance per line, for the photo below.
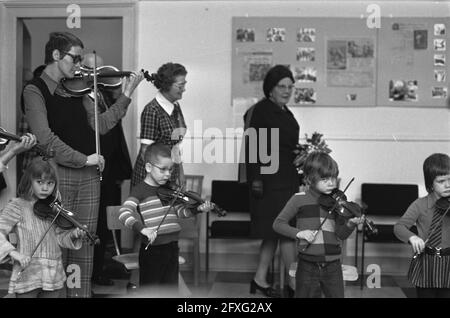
350 62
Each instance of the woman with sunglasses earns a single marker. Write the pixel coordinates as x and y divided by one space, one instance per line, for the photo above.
65 124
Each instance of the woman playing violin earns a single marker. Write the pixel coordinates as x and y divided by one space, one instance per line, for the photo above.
429 267
41 274
318 242
65 123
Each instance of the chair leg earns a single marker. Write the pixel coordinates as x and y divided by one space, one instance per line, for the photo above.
207 255
196 261
362 261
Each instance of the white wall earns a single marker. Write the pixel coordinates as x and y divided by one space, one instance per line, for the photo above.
375 144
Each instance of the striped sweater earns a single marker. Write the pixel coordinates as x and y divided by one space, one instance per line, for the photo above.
143 208
309 214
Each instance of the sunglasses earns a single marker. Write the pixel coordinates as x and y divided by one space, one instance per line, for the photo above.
75 58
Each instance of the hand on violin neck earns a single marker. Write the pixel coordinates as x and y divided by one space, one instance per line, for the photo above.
207 206
131 82
355 221
78 234
27 142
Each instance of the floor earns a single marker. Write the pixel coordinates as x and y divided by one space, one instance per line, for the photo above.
221 284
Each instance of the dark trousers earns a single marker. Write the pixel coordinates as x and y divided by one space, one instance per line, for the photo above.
313 277
110 194
158 266
433 292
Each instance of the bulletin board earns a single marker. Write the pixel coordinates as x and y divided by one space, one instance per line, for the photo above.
413 61
341 61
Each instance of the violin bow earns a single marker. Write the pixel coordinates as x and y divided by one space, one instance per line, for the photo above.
38 244
329 212
172 203
97 137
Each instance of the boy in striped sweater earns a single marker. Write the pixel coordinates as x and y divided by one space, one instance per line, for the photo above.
318 245
144 212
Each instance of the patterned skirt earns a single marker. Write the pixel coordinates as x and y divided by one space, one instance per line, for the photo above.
430 271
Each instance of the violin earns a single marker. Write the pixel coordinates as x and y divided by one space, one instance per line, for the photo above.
51 209
107 76
337 202
191 199
5 137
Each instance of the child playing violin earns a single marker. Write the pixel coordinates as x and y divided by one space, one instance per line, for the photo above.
429 268
152 215
42 274
318 241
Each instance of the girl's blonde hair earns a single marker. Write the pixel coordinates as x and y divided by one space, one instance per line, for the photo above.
37 169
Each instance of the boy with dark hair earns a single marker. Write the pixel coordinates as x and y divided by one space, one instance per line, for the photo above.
156 219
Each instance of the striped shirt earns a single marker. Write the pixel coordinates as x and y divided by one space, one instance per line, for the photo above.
143 208
309 214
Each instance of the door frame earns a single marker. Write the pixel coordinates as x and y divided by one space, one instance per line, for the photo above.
10 14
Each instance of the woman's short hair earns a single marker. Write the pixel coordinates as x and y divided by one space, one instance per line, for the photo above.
36 169
319 165
166 75
438 164
61 41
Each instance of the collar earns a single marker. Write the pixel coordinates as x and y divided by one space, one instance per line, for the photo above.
431 200
51 83
314 192
164 103
276 108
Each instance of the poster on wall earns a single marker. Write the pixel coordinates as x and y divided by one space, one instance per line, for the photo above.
350 62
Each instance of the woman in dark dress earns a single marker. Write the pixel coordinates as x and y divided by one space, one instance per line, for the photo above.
271 188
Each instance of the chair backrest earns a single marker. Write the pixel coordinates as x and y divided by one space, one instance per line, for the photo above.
190 227
112 218
231 196
387 199
194 183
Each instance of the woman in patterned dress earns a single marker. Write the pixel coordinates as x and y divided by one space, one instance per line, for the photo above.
162 119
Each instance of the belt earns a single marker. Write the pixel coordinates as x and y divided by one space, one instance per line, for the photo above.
437 251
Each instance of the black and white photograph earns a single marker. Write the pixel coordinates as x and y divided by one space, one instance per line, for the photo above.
439 59
306 35
306 54
224 156
245 35
439 29
276 35
439 44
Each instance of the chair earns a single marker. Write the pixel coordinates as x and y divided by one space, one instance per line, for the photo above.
384 204
233 197
129 260
190 227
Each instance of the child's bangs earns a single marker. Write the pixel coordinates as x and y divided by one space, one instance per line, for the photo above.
43 171
329 170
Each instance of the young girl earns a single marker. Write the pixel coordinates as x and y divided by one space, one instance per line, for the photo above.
319 245
429 269
43 273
